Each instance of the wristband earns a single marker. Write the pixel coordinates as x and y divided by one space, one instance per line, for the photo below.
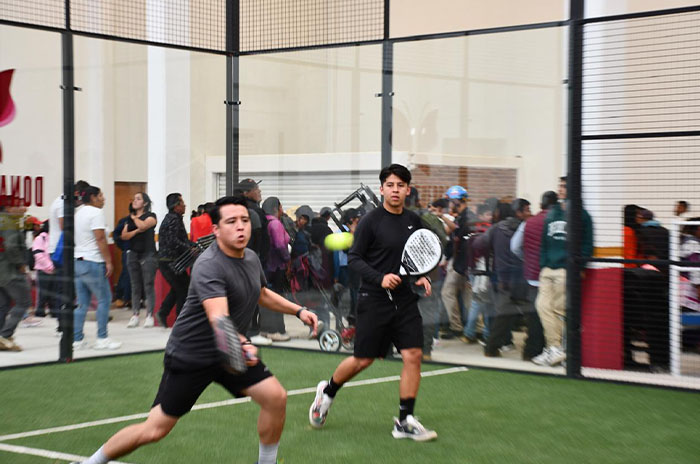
300 310
247 342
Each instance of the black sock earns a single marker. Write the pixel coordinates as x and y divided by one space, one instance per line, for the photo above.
406 406
332 388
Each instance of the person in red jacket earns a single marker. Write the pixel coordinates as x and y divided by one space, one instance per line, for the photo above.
201 225
526 244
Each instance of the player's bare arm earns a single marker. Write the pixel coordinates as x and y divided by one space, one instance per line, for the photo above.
275 302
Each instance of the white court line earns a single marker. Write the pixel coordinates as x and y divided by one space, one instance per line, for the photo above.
217 404
46 453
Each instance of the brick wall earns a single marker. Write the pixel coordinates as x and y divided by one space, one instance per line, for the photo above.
433 180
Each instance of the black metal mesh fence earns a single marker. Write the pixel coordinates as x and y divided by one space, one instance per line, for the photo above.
640 157
49 13
280 24
640 75
188 23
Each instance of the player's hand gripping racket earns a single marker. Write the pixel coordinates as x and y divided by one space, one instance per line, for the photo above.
421 254
228 342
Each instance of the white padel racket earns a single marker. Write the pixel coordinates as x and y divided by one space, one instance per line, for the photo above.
421 254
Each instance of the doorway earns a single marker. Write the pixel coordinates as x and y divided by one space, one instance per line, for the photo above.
123 194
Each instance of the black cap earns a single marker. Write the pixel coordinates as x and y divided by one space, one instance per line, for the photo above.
246 185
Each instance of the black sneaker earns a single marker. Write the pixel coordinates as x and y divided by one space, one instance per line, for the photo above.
411 428
162 320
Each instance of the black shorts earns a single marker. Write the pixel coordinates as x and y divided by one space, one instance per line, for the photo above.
381 322
180 387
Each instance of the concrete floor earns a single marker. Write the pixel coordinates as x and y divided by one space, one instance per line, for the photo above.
41 344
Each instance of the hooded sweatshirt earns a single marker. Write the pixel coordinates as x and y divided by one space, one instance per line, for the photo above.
553 251
508 275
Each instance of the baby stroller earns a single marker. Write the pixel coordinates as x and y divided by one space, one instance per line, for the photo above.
342 333
309 287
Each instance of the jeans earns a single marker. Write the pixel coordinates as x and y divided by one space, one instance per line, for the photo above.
90 280
429 307
483 306
17 290
455 286
123 289
142 271
508 310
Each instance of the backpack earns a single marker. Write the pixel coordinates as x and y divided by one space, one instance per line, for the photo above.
57 255
29 258
433 223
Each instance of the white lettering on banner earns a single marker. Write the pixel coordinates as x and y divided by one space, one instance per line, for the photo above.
22 190
557 230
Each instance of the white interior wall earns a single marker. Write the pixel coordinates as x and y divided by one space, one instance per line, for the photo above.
32 143
293 104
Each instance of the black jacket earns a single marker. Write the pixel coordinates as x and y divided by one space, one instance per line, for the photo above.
459 250
259 238
507 274
172 237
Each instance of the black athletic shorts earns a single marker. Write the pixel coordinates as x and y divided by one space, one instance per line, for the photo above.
181 385
381 322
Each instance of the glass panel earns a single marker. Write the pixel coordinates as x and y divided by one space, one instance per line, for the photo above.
486 113
31 167
146 120
310 131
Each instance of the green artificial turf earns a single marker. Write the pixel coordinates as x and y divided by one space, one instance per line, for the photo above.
481 416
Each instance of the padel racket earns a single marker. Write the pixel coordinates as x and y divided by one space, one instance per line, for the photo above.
229 345
421 254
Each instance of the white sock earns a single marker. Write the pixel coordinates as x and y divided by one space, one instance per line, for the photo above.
98 458
268 454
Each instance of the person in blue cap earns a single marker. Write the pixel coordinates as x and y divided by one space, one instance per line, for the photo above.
457 279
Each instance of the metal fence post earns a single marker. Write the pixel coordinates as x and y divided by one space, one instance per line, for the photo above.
575 265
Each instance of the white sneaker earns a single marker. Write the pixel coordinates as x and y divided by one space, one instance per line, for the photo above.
556 355
149 322
81 345
133 322
319 408
106 344
278 337
542 359
507 348
411 428
259 340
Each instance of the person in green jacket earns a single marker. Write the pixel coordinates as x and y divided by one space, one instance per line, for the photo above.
13 281
551 299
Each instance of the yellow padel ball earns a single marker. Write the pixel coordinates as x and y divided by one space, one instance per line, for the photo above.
338 242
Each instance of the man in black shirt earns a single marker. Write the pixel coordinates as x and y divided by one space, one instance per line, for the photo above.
387 308
227 283
249 189
173 242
